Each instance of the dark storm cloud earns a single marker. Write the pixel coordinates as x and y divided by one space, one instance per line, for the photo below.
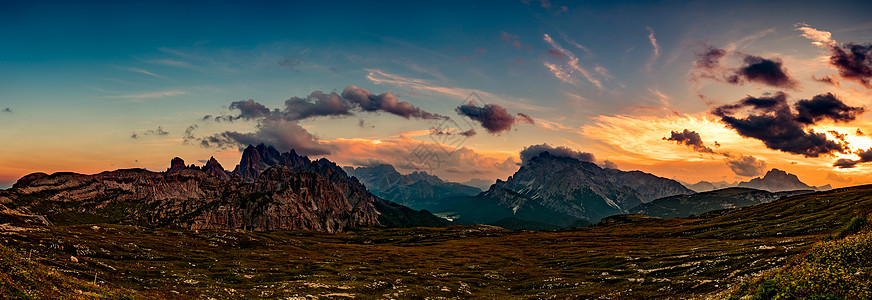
854 62
772 121
249 110
317 104
534 150
865 156
746 165
710 59
387 102
320 104
764 71
492 117
280 127
826 106
689 138
754 69
282 134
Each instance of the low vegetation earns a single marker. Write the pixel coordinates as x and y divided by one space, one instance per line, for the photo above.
836 268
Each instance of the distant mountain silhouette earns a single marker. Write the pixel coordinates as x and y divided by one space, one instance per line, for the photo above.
776 181
417 190
695 204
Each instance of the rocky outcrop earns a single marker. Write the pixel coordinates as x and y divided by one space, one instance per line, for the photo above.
215 169
699 203
311 195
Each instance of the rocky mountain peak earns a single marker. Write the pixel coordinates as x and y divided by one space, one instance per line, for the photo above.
176 164
213 168
775 181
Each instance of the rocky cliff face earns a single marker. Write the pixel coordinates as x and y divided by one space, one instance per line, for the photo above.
418 190
776 181
559 190
315 196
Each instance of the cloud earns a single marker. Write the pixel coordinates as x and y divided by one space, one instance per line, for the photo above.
835 177
754 69
844 163
494 118
405 153
423 85
854 62
282 134
387 102
828 79
746 165
158 131
319 104
655 52
764 71
564 72
690 139
280 128
510 39
141 71
772 121
818 37
740 164
826 106
532 151
149 95
248 109
7 110
315 105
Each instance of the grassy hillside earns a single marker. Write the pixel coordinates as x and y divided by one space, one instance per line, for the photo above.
837 268
623 257
21 278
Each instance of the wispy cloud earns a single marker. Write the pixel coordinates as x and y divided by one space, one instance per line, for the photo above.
565 71
744 41
142 71
423 85
149 95
656 51
169 62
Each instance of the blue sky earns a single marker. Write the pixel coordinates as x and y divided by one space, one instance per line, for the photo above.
80 79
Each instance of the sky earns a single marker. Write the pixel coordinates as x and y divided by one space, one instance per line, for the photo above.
690 91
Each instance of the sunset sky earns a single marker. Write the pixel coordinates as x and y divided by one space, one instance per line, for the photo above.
103 86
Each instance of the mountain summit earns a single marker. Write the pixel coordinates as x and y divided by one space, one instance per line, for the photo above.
418 190
776 181
560 190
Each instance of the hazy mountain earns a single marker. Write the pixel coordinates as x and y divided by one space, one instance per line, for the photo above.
268 190
775 181
705 186
685 205
560 190
417 190
482 184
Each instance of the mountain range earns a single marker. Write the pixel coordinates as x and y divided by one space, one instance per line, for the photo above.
559 191
775 180
267 190
417 190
